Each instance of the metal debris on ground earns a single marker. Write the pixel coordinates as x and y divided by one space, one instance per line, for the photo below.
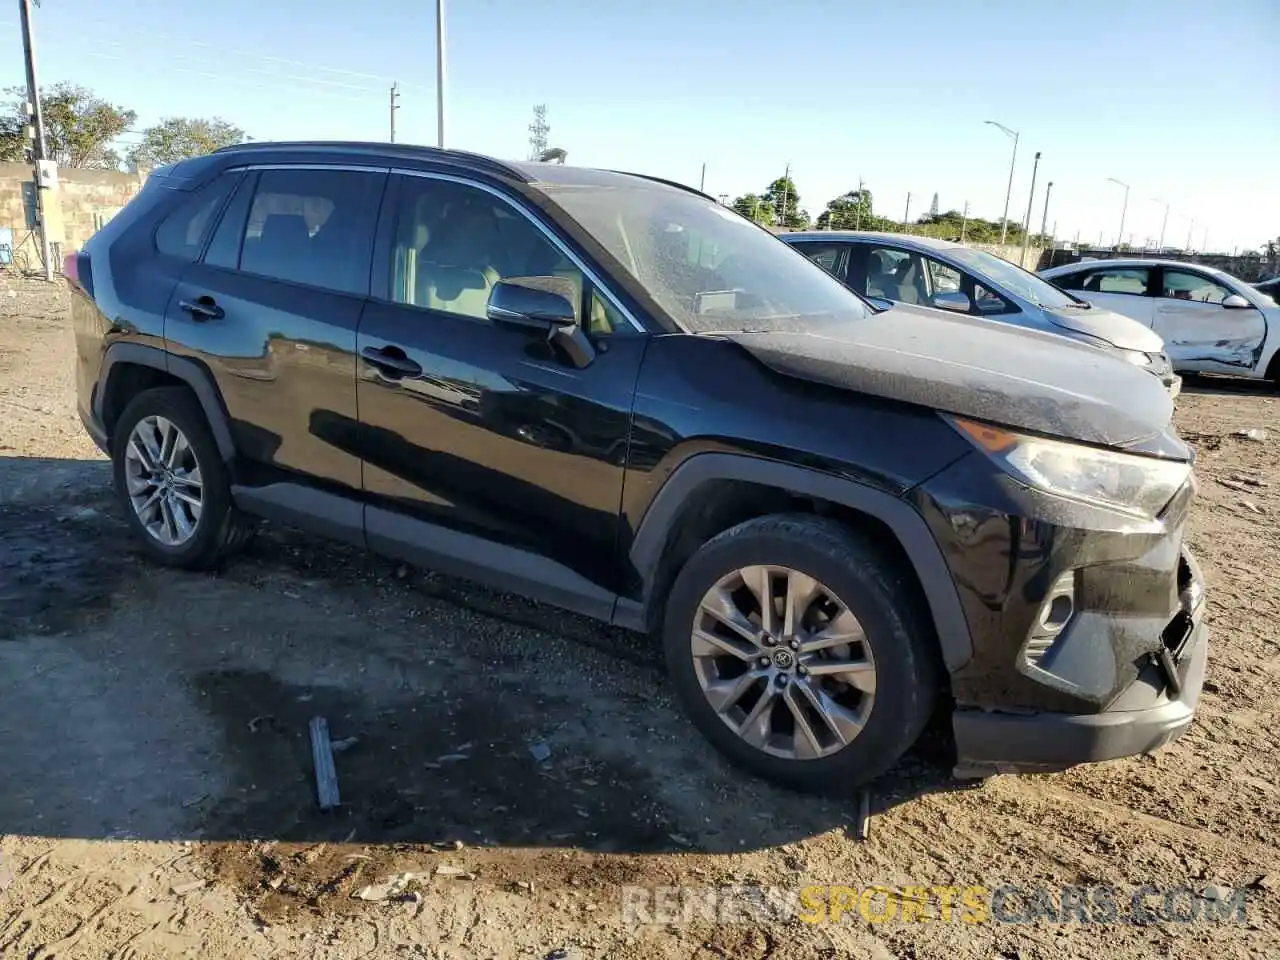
445 870
540 751
1253 433
322 756
1251 506
862 828
395 886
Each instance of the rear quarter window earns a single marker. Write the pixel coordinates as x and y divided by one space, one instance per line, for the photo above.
182 233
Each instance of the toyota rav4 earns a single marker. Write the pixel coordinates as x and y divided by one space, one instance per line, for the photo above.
610 393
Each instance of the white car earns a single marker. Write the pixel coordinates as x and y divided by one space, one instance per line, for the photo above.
1210 321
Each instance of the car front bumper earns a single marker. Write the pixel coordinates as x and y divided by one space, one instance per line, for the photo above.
1145 718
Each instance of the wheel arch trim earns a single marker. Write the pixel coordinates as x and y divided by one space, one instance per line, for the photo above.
912 533
193 374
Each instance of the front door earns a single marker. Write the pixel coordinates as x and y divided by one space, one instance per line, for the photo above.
1199 332
476 436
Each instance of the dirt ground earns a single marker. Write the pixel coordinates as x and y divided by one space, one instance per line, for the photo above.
156 794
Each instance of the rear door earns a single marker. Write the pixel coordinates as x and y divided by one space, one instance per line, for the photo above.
272 308
1129 291
1199 332
479 437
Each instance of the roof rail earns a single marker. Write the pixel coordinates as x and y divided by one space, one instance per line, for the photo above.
670 183
408 151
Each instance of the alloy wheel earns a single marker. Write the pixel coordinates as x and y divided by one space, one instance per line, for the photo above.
162 479
783 662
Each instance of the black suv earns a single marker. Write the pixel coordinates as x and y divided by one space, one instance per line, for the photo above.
610 393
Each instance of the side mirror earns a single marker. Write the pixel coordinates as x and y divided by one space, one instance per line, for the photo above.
540 303
1236 302
953 300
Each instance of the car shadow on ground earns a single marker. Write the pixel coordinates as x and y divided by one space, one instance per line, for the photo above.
145 703
1211 385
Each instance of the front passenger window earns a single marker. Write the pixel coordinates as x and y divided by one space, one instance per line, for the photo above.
453 242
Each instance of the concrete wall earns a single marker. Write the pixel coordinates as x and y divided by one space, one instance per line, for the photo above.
75 209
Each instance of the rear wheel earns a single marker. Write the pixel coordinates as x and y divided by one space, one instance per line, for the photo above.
793 645
172 481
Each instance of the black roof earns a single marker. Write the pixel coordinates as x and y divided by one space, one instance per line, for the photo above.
524 171
405 151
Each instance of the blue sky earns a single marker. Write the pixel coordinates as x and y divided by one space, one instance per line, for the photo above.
1180 99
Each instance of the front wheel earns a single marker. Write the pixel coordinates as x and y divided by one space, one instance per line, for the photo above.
797 650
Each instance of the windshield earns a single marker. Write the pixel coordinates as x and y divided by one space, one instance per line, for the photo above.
1013 279
708 267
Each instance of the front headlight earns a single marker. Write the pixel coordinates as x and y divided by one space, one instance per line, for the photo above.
1137 358
1139 486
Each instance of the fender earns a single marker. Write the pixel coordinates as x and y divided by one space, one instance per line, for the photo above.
908 526
188 371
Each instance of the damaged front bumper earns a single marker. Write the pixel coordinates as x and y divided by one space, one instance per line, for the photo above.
1155 709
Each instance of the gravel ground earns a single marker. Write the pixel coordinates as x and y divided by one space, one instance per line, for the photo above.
157 799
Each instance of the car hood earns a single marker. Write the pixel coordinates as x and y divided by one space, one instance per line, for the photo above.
1007 375
1117 330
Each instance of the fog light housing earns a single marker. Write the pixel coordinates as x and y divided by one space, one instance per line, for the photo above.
1051 619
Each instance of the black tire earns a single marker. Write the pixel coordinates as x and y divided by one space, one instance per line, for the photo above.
221 529
874 588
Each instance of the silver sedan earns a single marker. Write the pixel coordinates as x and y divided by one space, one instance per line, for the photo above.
900 268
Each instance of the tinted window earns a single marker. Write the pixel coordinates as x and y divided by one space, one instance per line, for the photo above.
1184 285
825 255
1131 280
224 248
454 242
181 234
313 227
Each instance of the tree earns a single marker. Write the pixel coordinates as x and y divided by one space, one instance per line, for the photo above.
180 138
754 207
784 200
851 211
79 126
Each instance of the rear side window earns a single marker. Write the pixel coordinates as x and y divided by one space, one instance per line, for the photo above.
1131 280
313 227
181 234
825 255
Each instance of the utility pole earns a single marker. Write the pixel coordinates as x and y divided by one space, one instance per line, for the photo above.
702 182
1123 209
964 221
40 147
1044 221
1013 161
395 95
857 211
786 185
440 74
1204 244
906 214
1163 223
1026 221
1189 230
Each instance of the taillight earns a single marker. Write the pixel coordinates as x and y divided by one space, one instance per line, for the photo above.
77 270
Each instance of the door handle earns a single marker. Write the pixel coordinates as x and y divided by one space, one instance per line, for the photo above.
391 361
202 308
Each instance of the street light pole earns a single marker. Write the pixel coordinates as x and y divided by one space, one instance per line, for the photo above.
964 220
1026 221
1123 209
40 148
1044 220
857 211
1004 221
440 74
1189 230
1163 223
